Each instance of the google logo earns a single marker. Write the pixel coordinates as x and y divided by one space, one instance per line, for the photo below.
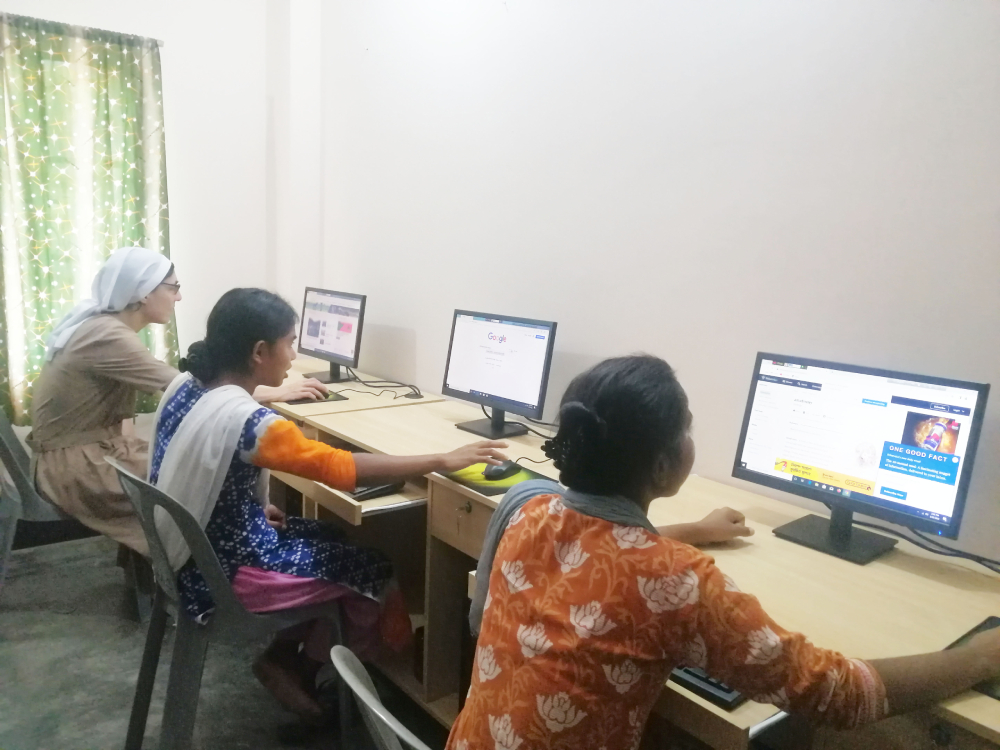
499 339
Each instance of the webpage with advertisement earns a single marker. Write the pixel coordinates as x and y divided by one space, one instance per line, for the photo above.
895 443
330 324
498 358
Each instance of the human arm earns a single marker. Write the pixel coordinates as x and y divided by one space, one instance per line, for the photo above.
736 642
380 468
721 525
280 445
291 391
112 350
915 681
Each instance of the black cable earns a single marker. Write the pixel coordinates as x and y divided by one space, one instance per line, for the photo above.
971 555
534 461
367 393
543 424
383 383
529 428
925 544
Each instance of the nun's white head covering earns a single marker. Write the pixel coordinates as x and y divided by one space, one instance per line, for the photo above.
129 276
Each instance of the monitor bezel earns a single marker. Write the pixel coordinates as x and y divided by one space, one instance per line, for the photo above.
512 407
949 530
325 356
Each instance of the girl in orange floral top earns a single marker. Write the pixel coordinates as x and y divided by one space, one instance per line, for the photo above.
585 608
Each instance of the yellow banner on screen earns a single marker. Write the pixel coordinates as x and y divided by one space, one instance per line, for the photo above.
824 476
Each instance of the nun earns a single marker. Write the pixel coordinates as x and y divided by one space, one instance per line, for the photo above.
95 365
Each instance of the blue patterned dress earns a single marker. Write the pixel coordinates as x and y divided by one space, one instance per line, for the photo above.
239 532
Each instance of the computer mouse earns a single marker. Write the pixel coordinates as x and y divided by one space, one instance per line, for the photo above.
502 471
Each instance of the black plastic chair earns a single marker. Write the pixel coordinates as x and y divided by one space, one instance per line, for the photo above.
229 622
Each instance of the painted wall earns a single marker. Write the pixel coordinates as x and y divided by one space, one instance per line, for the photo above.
696 180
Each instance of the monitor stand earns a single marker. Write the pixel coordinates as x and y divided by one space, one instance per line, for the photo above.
336 375
836 536
495 428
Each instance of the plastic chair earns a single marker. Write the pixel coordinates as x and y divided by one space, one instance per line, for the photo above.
230 621
385 729
20 501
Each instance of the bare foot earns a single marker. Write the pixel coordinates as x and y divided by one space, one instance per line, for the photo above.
286 686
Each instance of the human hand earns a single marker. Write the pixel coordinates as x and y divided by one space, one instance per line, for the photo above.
275 516
299 389
486 451
721 525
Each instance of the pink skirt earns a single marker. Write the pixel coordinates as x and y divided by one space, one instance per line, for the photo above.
365 621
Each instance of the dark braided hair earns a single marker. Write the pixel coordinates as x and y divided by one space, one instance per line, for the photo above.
240 319
617 420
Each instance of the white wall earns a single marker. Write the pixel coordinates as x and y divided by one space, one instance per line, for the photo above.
213 70
696 180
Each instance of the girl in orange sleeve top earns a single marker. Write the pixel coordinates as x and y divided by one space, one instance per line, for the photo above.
584 608
274 561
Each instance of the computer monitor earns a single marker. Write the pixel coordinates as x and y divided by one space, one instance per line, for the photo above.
330 329
892 445
501 362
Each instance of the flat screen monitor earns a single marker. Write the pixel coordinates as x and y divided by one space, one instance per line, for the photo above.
330 329
500 362
892 445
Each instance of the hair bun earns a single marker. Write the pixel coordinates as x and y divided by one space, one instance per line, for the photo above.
199 362
577 416
581 435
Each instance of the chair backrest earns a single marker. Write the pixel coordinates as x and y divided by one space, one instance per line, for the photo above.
15 460
146 499
384 728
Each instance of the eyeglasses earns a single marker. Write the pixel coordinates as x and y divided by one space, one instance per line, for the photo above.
176 287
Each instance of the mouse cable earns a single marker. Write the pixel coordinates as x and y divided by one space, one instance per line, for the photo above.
383 383
926 544
368 393
534 461
553 425
529 428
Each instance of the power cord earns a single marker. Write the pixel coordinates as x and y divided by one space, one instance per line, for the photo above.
415 392
928 544
529 428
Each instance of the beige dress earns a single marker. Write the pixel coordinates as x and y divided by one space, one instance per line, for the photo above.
80 400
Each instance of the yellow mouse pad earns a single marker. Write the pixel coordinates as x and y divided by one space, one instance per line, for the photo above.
472 477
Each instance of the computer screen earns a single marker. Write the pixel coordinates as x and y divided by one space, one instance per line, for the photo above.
500 361
893 445
331 325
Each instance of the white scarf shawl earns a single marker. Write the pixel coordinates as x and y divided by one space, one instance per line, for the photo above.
199 455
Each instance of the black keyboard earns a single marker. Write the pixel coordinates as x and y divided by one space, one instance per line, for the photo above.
699 683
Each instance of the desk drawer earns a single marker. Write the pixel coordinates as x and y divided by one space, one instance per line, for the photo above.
346 507
457 519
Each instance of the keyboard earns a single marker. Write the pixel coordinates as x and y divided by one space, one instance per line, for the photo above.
699 683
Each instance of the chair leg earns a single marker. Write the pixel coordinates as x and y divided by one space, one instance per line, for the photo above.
184 685
345 699
137 586
147 673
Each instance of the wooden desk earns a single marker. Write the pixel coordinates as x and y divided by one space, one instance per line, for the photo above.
906 602
428 429
358 398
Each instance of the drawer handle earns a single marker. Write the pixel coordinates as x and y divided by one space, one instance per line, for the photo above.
468 506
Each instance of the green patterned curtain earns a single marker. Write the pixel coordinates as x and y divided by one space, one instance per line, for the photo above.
83 173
